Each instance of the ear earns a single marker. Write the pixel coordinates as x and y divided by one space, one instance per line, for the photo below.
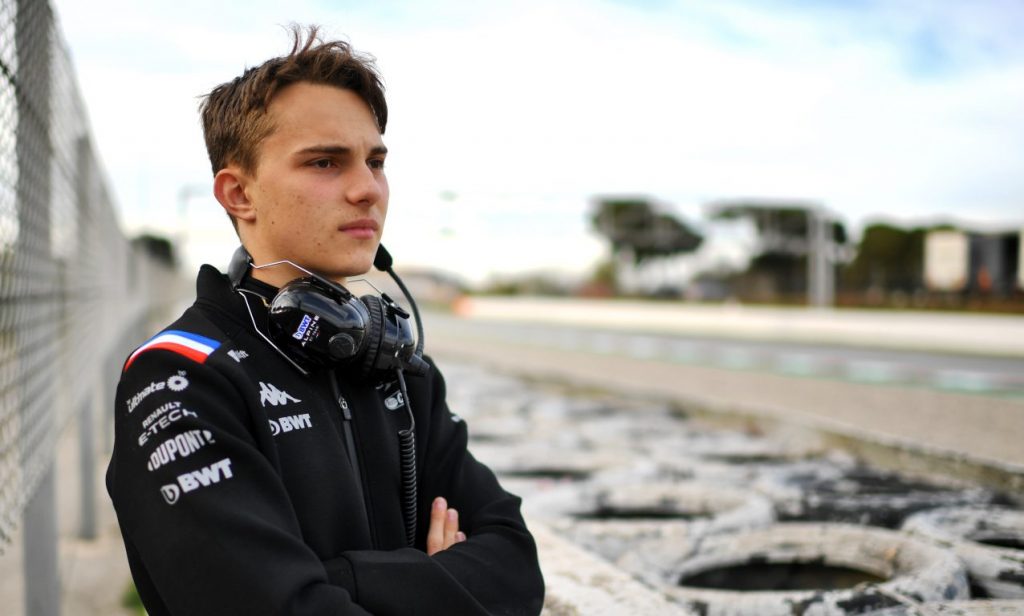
229 187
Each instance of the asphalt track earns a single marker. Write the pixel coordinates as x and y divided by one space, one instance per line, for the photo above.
966 429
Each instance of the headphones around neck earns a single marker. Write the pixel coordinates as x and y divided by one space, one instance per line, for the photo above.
317 323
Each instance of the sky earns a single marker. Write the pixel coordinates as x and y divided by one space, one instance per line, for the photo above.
507 119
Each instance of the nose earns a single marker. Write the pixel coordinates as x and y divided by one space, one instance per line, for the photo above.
364 187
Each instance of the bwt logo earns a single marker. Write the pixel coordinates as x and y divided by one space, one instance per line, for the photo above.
303 326
193 480
287 424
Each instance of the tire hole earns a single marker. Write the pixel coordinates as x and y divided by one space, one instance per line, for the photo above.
549 473
608 512
1013 543
783 576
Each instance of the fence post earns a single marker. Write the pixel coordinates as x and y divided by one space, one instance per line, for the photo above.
34 43
42 584
86 416
87 464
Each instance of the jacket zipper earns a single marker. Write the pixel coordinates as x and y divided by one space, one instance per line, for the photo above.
353 454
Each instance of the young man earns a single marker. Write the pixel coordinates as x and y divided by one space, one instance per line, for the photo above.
249 481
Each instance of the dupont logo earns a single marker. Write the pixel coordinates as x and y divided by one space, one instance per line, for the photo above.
179 446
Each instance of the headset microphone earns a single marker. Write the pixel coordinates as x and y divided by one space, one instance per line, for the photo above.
382 260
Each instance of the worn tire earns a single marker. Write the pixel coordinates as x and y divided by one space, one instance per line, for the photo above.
970 532
610 519
1006 607
580 582
736 447
547 461
867 496
908 566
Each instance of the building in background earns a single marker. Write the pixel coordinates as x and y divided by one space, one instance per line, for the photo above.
977 264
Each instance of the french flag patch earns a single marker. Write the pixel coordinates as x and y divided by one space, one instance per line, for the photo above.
193 346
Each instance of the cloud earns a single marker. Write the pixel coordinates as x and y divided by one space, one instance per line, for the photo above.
528 109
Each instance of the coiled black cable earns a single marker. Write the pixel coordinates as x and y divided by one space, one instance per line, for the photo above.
407 461
407 437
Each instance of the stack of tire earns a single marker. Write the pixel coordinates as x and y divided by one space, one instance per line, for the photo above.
738 523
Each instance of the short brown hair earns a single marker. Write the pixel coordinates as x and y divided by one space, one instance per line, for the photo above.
234 114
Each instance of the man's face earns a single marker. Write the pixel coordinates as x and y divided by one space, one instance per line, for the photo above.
318 192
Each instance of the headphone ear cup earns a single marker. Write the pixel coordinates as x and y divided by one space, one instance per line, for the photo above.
374 333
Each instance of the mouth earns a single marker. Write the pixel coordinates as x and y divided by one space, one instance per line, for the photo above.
364 228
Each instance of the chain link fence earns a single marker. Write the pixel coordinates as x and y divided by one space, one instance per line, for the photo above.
75 293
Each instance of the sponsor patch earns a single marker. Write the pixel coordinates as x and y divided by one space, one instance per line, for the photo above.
163 408
171 493
238 355
395 401
178 382
193 346
163 422
274 396
303 326
193 480
180 446
287 424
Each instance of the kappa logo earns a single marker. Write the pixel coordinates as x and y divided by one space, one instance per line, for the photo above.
274 396
193 480
394 401
238 355
287 424
177 382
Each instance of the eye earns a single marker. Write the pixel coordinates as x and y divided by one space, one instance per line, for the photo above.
376 163
322 163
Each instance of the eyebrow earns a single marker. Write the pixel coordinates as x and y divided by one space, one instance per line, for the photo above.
338 150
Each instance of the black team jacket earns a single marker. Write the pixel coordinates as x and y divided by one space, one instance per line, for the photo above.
244 487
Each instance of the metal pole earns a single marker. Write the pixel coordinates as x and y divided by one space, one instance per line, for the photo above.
820 275
87 465
42 582
34 43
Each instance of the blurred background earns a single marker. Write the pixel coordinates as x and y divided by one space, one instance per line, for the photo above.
678 148
825 195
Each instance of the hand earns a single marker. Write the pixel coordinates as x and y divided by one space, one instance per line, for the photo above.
444 527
